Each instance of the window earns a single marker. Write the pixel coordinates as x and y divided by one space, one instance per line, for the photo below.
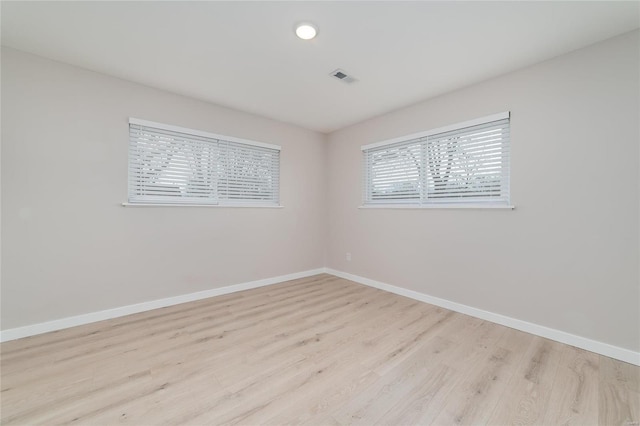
461 165
172 165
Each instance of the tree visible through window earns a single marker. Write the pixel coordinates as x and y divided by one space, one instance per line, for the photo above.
171 165
458 165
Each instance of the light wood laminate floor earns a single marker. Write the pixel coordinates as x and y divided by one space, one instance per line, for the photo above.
318 350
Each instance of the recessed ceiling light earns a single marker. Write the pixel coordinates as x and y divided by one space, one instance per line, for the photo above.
306 31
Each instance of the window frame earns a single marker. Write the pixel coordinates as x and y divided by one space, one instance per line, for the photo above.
423 201
217 201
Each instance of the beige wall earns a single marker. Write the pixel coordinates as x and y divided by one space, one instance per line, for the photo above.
567 257
69 247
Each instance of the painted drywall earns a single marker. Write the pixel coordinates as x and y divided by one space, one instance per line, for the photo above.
70 248
567 257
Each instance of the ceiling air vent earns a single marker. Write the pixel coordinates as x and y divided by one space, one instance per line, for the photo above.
342 76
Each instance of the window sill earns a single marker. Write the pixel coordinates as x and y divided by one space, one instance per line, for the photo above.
233 206
437 206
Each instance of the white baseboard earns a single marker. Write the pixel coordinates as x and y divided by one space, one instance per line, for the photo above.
44 327
601 348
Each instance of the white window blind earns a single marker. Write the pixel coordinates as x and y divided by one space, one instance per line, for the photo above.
460 164
171 165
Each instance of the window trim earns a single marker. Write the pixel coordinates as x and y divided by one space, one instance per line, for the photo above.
475 204
194 132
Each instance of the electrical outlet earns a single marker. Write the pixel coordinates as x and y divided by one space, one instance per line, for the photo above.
348 257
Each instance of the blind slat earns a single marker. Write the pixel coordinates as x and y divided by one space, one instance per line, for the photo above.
167 166
469 164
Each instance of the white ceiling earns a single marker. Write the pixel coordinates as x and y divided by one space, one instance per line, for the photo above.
245 55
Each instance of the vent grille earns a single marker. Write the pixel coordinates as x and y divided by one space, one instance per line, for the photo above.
342 75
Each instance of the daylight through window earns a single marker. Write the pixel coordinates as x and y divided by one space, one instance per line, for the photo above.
171 165
466 163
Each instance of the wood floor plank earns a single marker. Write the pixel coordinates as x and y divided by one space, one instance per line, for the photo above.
475 397
397 384
530 387
317 351
619 397
575 391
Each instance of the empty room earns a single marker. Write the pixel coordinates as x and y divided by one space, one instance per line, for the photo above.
320 213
